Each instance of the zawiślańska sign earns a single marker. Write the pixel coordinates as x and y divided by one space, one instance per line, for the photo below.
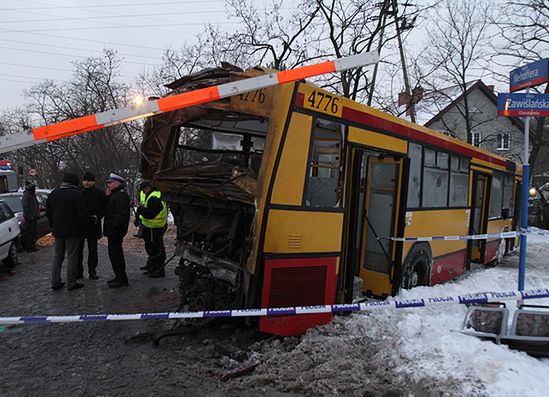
523 105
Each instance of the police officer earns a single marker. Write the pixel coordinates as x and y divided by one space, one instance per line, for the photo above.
117 218
153 214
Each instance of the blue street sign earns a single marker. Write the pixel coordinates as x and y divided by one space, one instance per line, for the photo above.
523 105
530 75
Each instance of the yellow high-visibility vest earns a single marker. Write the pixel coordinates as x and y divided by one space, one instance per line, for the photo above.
160 219
142 197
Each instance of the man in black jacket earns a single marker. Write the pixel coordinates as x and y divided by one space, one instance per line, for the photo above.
66 215
31 213
117 219
94 201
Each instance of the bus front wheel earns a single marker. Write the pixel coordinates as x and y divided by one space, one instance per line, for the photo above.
417 268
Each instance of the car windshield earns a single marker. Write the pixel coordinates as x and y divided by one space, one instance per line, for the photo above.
14 202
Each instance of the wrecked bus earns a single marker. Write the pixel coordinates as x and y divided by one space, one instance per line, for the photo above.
289 195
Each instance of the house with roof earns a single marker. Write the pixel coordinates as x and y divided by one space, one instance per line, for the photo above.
444 111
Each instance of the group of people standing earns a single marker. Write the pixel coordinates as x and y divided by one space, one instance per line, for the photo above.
75 215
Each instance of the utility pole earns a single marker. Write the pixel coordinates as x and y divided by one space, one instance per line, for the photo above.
411 104
382 15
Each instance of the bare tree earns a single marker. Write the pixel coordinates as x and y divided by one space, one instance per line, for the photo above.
457 50
93 88
271 36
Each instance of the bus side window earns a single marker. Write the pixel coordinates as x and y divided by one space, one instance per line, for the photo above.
459 182
435 179
414 181
323 184
508 188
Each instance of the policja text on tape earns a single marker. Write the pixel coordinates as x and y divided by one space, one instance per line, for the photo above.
477 298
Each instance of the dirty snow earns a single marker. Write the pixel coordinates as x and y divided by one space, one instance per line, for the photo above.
411 352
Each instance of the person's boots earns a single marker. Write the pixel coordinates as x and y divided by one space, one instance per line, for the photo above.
148 266
156 272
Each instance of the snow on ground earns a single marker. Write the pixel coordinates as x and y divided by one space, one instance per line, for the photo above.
412 352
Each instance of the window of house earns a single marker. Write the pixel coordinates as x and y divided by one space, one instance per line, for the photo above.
474 109
475 138
504 141
324 181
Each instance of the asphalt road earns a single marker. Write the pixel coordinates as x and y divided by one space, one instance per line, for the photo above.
107 358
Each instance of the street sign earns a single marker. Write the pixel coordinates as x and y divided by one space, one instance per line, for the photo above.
530 75
523 105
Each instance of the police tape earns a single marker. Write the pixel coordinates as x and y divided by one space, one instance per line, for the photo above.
457 238
537 231
511 234
476 298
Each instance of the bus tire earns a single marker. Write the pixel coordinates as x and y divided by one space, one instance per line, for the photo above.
417 269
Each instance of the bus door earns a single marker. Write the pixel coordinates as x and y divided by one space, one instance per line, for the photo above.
382 192
479 215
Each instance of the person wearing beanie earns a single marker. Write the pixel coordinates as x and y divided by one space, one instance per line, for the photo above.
67 216
94 202
31 213
117 219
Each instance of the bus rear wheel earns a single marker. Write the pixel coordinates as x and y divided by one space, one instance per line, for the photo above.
416 270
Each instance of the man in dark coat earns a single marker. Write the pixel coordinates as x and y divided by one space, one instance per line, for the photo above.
67 215
117 219
31 213
94 201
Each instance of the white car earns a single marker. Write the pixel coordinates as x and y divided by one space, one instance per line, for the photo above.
9 233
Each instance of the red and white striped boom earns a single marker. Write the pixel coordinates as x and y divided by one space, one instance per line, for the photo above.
96 121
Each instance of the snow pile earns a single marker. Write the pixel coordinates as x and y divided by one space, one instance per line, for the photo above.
412 352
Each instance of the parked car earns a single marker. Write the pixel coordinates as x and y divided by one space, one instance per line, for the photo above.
14 201
9 235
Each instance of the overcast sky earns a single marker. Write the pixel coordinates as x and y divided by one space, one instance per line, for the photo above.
39 39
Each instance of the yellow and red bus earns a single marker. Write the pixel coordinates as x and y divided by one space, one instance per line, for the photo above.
287 196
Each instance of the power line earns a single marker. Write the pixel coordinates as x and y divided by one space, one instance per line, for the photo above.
110 13
81 39
35 66
112 16
32 78
17 81
153 4
69 55
75 48
124 26
51 68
